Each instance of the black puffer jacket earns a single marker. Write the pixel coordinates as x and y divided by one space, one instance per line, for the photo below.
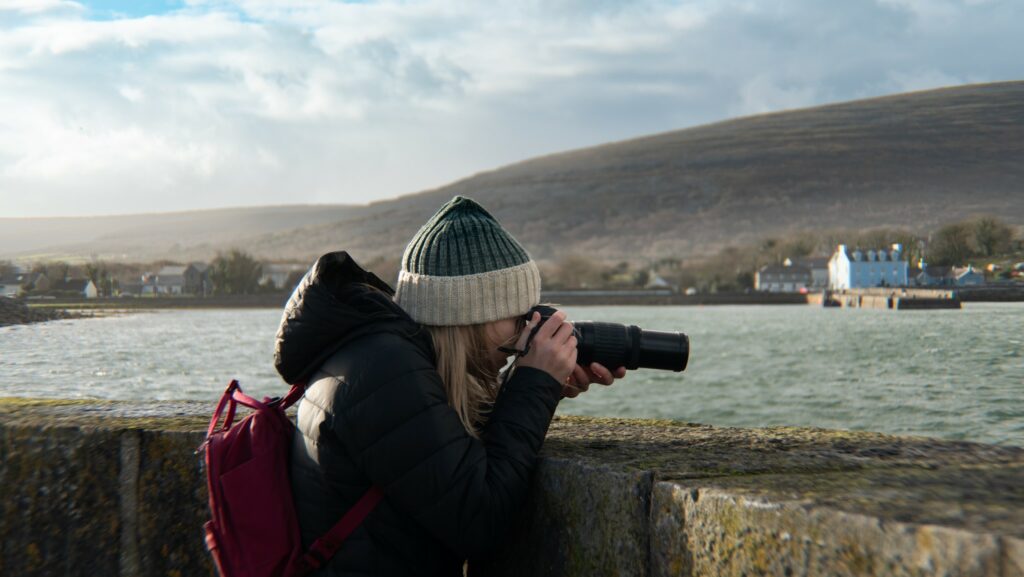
376 412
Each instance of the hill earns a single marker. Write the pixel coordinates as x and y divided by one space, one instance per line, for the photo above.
143 237
913 160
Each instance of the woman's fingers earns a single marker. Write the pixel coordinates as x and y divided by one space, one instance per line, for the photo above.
553 348
579 378
582 378
604 376
558 334
555 328
524 335
578 382
554 323
601 374
563 331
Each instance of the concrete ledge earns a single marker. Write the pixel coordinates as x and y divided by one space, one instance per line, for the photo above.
93 488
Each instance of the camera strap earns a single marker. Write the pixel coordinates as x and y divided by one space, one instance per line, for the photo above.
526 349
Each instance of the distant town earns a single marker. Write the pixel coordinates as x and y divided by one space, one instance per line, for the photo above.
232 274
981 252
870 268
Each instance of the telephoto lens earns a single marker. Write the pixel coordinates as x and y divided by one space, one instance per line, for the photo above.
614 345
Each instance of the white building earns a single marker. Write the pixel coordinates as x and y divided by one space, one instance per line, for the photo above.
82 286
278 274
864 269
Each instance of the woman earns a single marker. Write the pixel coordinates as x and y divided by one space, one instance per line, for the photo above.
404 394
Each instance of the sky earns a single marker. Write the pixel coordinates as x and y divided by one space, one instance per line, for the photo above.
113 107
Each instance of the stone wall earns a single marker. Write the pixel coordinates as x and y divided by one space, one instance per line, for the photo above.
117 489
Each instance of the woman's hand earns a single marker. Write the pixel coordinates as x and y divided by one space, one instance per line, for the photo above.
582 378
553 348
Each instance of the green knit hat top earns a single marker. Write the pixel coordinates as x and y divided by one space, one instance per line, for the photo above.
463 268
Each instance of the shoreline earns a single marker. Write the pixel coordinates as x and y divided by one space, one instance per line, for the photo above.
272 300
597 298
14 312
42 310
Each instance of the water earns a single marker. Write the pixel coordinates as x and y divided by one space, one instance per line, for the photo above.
951 374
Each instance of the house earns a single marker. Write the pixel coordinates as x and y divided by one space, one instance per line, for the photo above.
191 279
968 276
867 268
16 283
170 280
37 281
933 276
197 279
147 285
783 278
947 276
656 281
279 274
11 284
818 267
80 286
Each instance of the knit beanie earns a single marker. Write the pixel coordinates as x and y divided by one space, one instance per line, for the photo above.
463 268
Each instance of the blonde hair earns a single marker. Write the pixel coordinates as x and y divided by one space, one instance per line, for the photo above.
463 363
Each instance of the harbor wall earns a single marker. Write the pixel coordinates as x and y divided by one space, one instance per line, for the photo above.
888 298
117 489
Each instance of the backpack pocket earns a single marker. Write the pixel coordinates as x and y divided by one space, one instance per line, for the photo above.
261 517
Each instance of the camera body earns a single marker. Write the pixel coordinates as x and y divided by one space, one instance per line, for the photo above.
614 345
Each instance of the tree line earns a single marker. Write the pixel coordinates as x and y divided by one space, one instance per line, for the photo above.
732 269
234 272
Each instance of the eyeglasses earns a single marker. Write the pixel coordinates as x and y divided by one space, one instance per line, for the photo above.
520 326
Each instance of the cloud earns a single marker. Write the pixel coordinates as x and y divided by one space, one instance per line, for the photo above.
910 81
39 6
216 103
131 93
763 94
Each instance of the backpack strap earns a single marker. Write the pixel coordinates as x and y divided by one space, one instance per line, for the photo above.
325 547
233 396
298 389
227 400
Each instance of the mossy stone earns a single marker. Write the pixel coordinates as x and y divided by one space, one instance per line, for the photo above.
60 509
116 488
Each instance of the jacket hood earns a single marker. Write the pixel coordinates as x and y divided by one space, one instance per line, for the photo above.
335 302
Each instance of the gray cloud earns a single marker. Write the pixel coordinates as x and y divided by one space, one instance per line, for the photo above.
252 102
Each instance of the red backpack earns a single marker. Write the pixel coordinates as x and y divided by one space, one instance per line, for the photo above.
253 530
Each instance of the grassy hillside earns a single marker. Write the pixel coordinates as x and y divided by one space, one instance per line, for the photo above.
912 160
141 237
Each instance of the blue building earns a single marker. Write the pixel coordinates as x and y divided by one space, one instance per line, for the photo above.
867 268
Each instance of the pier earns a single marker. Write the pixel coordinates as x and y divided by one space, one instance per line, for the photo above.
116 488
888 298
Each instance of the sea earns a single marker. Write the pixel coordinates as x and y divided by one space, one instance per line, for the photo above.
953 374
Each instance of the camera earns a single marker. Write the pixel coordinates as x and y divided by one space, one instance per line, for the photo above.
614 345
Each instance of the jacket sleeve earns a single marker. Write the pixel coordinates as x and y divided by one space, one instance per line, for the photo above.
409 442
